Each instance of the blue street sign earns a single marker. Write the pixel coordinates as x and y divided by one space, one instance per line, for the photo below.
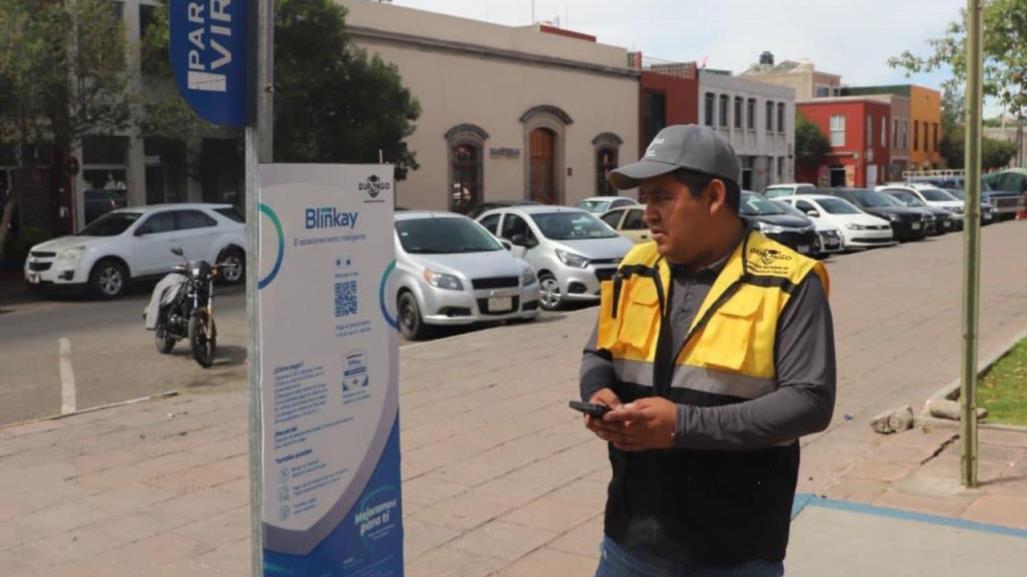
208 56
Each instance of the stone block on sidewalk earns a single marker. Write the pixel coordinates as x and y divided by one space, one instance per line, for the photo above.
893 421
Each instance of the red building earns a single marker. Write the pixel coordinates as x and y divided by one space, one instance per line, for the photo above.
669 95
859 132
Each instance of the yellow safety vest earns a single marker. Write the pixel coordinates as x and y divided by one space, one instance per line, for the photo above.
729 349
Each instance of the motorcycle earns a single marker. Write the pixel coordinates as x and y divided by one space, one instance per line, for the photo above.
182 307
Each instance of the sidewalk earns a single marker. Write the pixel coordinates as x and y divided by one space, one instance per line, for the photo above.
501 479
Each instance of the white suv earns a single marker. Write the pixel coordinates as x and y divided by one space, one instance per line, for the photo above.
132 243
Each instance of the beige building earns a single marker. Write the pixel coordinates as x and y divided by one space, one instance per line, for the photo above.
802 76
759 121
507 113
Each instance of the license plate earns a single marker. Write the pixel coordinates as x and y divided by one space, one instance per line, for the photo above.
803 248
33 278
498 304
916 226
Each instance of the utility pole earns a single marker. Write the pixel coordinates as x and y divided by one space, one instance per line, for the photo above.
972 246
260 87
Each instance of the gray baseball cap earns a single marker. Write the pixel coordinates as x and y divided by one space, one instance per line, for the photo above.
697 148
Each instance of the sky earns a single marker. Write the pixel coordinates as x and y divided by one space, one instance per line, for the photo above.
852 38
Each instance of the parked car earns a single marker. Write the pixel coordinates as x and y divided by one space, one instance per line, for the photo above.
100 201
570 249
907 223
629 221
858 229
829 238
602 204
132 243
451 271
789 189
1008 191
478 209
987 208
796 232
947 219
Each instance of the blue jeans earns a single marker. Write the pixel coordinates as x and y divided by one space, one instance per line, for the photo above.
616 561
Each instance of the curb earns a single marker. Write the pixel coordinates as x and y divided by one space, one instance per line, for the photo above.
156 397
949 391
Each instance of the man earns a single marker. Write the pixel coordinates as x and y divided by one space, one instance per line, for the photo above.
715 351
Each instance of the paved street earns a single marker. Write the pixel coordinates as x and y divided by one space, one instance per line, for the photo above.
500 478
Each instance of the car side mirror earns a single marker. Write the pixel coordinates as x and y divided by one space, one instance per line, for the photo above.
506 244
142 231
177 251
813 213
519 240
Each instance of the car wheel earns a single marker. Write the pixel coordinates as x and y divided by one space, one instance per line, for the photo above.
234 270
549 291
411 323
108 279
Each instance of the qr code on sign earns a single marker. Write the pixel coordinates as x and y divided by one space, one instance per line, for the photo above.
345 298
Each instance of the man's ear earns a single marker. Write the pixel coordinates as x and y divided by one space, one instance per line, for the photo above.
718 196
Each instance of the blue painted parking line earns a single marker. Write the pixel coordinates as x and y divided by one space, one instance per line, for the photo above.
803 500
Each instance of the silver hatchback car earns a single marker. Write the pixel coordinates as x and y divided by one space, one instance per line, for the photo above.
569 248
451 271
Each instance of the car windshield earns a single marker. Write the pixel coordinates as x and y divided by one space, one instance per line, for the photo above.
936 195
908 198
444 236
757 205
957 193
787 208
838 206
571 226
595 206
874 199
111 224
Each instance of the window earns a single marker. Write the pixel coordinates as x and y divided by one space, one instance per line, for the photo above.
607 146
895 132
613 218
780 167
780 116
822 91
724 99
654 115
770 116
934 128
837 131
870 131
190 219
916 135
738 111
466 173
709 109
750 114
884 131
804 205
158 223
230 213
635 220
927 143
905 134
514 225
152 60
491 223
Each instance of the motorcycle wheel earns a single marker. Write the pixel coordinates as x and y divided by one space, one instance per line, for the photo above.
204 346
164 341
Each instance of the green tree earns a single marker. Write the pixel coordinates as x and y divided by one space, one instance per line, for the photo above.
62 75
810 142
996 153
333 103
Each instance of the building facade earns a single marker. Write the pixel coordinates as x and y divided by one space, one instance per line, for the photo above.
759 121
667 96
924 117
859 130
801 76
507 113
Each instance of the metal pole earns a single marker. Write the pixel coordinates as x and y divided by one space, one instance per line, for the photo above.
972 247
258 151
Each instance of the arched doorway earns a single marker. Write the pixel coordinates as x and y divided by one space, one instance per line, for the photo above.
542 168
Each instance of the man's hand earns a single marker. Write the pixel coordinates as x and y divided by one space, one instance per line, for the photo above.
605 397
645 424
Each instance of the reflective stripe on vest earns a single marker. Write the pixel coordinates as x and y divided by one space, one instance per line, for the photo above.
730 347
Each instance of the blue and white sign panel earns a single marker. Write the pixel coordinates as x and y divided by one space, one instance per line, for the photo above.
329 373
207 45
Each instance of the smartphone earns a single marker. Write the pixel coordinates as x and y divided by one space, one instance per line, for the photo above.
589 408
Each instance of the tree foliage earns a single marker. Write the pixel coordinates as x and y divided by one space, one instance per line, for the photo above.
333 103
810 142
